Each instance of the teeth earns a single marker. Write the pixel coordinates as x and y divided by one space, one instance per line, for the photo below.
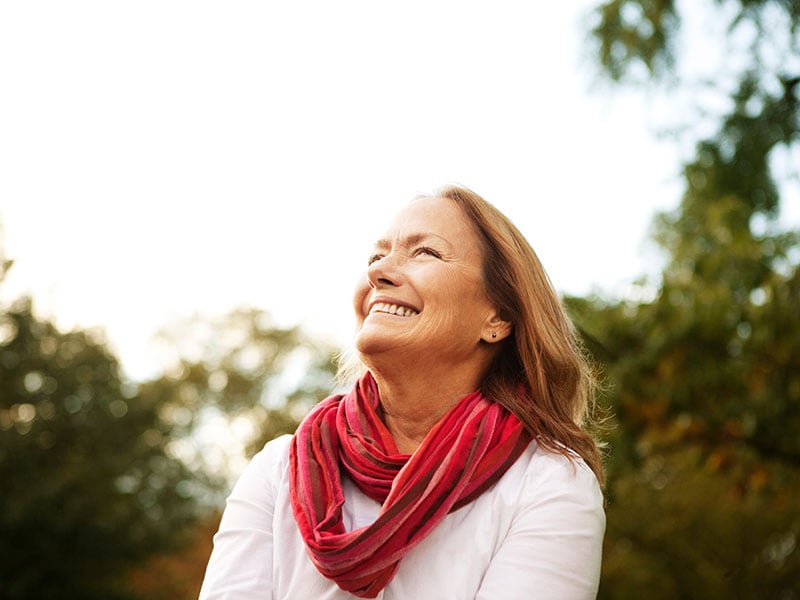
393 309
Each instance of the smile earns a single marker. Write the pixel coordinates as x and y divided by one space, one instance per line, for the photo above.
392 309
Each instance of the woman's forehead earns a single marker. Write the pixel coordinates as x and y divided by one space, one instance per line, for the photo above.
438 222
429 216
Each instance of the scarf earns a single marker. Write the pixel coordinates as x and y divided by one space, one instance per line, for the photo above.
463 455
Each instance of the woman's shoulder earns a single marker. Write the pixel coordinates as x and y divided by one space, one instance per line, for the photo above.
276 446
268 467
545 472
274 454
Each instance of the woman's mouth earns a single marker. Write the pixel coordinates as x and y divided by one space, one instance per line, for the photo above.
392 309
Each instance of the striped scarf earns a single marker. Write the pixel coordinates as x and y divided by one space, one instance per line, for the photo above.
466 452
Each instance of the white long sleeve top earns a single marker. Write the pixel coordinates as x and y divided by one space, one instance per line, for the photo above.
536 534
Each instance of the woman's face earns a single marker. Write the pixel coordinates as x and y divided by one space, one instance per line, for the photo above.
423 294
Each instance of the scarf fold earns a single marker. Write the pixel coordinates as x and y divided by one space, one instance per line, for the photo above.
464 454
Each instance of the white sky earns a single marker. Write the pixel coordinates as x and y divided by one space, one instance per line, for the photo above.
161 158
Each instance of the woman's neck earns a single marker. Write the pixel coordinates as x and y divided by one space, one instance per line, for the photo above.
413 405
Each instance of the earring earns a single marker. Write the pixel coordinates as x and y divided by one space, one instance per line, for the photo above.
494 334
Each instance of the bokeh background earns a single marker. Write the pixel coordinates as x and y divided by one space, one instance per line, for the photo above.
188 192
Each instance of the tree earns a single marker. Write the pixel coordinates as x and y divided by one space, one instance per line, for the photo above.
235 382
704 375
100 474
230 384
177 575
108 484
740 89
89 486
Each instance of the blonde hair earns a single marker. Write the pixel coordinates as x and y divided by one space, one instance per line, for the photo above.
541 373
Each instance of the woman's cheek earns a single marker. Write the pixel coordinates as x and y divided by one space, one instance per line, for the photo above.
360 297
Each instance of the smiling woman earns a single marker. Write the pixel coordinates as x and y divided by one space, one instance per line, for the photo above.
465 430
430 263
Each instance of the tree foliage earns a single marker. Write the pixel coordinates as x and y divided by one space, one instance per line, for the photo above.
239 376
106 483
176 575
704 375
88 484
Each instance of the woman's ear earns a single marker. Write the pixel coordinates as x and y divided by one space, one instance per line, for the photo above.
496 329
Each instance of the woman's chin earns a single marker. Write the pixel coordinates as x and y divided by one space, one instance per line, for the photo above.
374 342
369 343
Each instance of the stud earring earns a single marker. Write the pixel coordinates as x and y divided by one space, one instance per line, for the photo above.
494 334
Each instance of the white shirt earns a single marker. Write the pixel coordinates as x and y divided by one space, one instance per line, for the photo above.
536 534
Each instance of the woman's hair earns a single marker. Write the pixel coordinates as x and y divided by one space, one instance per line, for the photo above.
541 372
543 357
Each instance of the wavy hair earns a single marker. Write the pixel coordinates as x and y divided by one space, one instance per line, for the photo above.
543 356
541 372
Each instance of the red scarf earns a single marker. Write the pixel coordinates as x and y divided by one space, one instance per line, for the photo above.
462 456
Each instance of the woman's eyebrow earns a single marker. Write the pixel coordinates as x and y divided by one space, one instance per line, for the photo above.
412 239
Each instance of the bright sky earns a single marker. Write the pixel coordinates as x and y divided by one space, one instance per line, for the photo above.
162 158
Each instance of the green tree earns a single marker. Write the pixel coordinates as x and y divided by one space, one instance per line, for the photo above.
88 486
235 382
704 375
103 481
230 384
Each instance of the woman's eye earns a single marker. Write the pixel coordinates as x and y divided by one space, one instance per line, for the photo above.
373 258
429 251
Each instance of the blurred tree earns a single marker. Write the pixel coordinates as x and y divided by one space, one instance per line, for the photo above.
230 385
234 382
177 575
107 487
704 374
88 485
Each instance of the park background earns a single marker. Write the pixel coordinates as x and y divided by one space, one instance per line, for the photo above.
190 190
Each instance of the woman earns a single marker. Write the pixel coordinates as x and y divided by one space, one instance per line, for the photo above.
457 467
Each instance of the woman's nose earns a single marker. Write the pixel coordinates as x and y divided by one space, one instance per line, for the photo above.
384 271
